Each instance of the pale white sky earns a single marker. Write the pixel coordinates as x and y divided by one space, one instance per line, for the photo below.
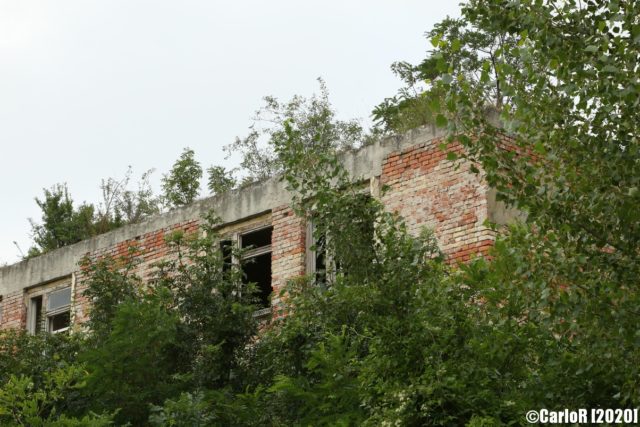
88 87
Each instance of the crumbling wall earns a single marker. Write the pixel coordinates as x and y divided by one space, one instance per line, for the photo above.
423 187
429 191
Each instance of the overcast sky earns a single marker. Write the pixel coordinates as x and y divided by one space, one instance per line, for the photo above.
89 87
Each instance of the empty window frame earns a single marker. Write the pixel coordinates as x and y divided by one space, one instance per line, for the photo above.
256 262
317 258
49 310
226 248
322 263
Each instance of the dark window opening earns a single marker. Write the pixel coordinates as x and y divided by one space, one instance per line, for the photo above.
37 323
257 239
320 252
60 322
226 247
258 270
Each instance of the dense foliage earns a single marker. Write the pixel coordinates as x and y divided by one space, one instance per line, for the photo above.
63 224
181 186
317 123
393 334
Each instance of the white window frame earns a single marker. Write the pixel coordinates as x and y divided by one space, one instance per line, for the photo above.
43 293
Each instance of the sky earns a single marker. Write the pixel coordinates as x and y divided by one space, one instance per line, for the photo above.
91 87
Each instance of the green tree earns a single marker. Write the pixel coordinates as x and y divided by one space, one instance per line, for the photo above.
461 51
121 205
185 330
571 121
181 185
220 180
42 381
24 404
566 153
138 362
62 224
314 118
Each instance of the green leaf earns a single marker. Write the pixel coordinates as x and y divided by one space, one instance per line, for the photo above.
441 121
435 40
446 78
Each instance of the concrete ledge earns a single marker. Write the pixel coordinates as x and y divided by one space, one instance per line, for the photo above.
230 207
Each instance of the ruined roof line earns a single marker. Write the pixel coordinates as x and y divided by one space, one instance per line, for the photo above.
230 206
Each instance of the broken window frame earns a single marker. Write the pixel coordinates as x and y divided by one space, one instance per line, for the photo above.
312 249
235 240
332 267
40 317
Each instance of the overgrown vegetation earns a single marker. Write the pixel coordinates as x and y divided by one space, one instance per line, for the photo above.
181 185
395 335
317 124
64 224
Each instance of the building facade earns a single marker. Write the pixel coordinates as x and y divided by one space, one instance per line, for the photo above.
46 293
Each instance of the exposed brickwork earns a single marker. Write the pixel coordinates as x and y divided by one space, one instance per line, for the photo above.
288 249
428 190
14 313
423 187
148 249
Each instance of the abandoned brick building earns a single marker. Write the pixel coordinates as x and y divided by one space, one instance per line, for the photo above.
46 293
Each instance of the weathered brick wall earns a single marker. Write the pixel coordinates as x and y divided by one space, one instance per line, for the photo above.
288 249
14 314
428 190
147 249
424 188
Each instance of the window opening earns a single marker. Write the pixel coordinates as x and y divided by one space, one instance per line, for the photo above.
257 239
226 247
58 310
323 263
258 270
256 262
317 258
35 315
50 311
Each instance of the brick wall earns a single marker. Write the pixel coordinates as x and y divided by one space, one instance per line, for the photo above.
288 249
148 249
423 187
14 314
430 191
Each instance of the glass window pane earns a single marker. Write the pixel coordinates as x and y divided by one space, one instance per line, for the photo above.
58 299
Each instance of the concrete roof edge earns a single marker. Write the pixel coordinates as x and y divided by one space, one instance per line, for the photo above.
230 207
